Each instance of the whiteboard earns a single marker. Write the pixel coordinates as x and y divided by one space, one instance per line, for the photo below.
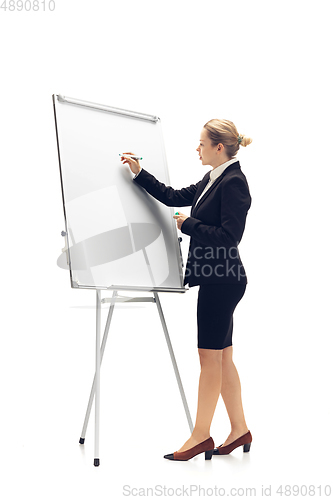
117 235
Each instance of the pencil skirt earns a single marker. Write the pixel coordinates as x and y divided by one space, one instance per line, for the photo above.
216 304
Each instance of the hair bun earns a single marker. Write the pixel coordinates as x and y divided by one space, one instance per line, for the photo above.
245 140
225 132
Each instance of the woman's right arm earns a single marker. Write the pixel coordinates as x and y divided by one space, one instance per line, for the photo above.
165 194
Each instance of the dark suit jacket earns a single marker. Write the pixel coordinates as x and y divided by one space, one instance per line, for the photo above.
216 224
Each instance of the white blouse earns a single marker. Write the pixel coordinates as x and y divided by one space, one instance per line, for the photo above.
215 173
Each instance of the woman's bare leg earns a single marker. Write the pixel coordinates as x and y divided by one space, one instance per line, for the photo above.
231 394
208 394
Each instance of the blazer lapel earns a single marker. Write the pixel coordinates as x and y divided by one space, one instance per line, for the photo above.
213 186
201 187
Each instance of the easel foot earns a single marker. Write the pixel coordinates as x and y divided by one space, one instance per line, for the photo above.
96 462
81 441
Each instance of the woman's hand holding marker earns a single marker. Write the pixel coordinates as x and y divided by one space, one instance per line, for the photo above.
134 165
180 219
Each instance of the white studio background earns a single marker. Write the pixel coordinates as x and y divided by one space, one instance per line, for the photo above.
267 67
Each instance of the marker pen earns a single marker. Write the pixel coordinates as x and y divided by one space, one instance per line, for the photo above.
130 156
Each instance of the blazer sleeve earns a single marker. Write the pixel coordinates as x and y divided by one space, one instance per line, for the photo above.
235 203
166 194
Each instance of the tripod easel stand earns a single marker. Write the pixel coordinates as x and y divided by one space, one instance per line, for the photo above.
95 390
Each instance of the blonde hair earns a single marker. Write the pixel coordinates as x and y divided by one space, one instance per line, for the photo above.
225 132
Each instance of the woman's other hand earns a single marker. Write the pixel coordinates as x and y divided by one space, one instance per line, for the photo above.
180 219
134 165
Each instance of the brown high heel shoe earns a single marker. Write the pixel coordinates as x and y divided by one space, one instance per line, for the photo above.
206 446
244 440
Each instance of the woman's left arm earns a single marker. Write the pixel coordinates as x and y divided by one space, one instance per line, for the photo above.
236 201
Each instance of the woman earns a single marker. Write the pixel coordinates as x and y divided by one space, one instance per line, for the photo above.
220 202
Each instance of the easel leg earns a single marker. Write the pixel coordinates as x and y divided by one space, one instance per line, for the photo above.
97 374
92 392
173 359
95 390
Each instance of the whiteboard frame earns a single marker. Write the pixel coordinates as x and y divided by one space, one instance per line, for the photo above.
140 116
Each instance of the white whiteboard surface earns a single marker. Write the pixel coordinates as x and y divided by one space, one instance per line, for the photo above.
117 235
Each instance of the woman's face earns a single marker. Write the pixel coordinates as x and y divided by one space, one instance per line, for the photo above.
207 153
